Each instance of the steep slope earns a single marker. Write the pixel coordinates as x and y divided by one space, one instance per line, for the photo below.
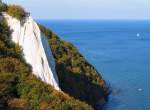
20 89
77 77
35 48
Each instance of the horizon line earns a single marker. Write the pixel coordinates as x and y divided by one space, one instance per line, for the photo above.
95 19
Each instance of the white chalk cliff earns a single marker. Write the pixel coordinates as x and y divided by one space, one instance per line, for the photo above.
35 47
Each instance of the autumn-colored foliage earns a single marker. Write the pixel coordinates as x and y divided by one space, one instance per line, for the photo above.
82 86
20 89
76 76
16 11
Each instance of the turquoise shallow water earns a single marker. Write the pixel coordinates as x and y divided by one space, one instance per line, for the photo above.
122 57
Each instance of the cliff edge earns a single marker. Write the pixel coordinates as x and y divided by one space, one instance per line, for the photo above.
35 48
36 64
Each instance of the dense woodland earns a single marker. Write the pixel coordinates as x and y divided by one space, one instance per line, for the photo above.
81 84
77 77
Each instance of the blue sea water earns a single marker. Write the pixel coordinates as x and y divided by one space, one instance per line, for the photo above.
116 51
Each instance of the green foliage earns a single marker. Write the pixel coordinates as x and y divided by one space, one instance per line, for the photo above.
18 86
20 89
3 7
7 47
16 11
77 77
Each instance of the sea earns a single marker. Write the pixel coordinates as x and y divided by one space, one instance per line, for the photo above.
119 50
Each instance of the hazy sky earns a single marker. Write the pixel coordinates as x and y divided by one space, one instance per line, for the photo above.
86 9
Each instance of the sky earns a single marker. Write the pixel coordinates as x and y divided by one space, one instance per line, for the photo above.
86 9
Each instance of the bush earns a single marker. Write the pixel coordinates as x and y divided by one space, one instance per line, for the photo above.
76 76
16 11
3 7
20 89
17 84
7 47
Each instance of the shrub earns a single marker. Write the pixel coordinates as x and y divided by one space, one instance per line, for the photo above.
17 84
3 7
18 103
20 89
77 77
16 11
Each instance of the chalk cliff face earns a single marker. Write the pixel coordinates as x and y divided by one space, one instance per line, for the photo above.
35 47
